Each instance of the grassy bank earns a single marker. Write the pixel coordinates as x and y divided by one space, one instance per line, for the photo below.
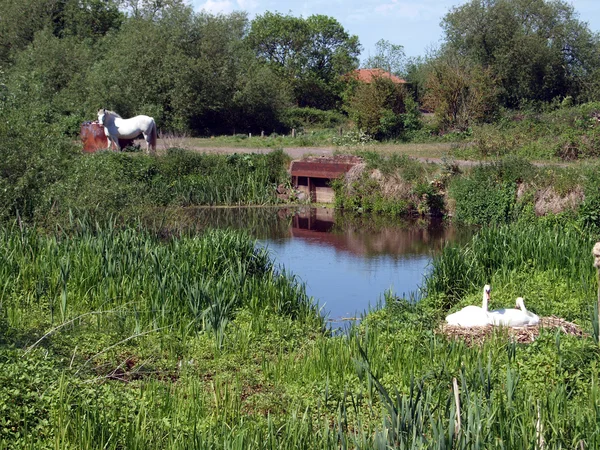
566 133
495 192
112 336
117 339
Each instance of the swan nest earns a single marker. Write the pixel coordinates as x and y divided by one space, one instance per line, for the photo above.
522 335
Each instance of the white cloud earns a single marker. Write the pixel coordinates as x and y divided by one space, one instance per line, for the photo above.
247 5
411 10
217 6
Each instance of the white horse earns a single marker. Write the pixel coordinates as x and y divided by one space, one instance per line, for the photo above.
116 127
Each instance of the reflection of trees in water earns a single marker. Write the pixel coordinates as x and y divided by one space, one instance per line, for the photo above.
258 222
376 235
365 236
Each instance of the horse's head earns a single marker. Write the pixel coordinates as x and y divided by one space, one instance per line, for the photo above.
101 115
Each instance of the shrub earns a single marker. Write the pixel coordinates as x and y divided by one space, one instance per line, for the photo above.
461 93
34 159
488 194
305 117
378 108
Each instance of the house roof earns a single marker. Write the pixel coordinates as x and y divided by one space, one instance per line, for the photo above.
367 75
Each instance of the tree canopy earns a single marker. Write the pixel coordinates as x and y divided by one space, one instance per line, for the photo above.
311 54
205 74
537 49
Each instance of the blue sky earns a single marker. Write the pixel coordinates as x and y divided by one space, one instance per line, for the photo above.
413 24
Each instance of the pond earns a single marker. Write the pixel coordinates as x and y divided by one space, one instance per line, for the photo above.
347 264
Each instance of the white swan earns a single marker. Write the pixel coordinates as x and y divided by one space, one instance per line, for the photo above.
472 316
511 317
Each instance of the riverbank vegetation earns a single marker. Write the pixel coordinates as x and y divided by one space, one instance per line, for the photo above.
115 338
500 191
45 177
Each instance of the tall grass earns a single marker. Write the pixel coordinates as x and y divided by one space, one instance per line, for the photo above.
544 261
375 388
155 283
199 342
120 184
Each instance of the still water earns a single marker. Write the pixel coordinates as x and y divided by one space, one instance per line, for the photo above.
346 264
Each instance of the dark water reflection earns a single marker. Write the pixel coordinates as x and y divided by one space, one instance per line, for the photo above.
346 263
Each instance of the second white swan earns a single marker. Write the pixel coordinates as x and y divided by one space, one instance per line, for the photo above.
512 317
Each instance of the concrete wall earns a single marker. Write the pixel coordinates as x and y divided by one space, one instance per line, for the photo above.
316 189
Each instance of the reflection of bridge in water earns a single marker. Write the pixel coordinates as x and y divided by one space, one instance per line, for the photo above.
346 263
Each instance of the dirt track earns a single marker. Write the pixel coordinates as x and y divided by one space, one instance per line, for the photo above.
301 152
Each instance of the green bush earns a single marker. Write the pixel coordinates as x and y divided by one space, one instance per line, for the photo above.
34 159
566 133
487 195
414 194
379 107
108 183
312 117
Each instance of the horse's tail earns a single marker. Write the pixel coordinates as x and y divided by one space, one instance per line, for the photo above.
153 137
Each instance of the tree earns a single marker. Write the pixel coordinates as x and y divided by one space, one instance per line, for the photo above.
20 20
259 101
537 49
310 54
150 9
459 91
389 57
416 77
377 107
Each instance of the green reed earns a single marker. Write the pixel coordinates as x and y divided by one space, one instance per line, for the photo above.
128 185
549 265
410 406
160 282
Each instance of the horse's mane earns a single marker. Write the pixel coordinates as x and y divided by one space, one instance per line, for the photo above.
112 113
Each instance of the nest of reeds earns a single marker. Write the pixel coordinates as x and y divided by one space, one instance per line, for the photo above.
522 335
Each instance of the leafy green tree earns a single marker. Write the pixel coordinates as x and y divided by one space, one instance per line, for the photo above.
459 91
378 107
260 101
389 57
86 19
150 9
416 77
20 20
310 54
50 77
33 159
537 49
191 71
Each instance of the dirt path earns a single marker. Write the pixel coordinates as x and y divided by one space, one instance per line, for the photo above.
301 152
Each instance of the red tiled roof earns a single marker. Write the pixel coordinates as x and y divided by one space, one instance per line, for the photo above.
367 75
